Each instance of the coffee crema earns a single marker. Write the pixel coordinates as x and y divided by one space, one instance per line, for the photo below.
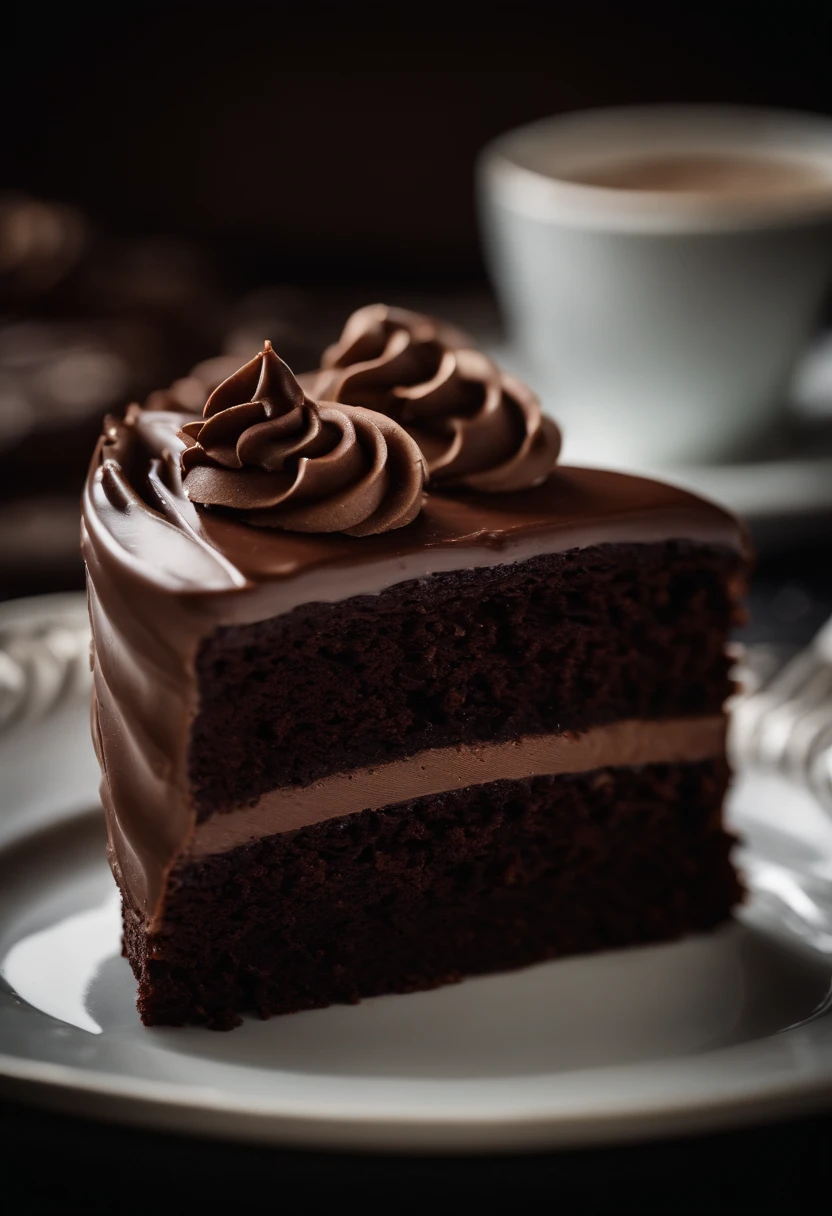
707 173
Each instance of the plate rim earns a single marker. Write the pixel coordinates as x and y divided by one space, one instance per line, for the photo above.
171 1107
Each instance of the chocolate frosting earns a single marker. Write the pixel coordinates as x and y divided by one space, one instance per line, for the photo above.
278 459
479 428
163 573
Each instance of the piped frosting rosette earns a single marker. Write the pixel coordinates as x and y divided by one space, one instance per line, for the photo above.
478 427
273 456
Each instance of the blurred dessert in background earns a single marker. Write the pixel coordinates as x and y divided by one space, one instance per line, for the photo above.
88 323
40 243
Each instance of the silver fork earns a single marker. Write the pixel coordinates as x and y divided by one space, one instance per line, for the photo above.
782 719
42 661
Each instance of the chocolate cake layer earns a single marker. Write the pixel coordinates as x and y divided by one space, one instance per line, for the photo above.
562 642
482 879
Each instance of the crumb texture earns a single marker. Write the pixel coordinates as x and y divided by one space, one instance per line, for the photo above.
560 642
483 879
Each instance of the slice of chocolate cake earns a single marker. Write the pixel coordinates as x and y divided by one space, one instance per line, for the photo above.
359 739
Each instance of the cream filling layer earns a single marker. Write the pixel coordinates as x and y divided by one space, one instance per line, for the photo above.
441 769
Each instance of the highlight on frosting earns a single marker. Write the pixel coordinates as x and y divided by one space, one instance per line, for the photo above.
269 453
478 427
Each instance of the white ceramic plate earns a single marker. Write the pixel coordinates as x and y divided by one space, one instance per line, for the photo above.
707 1033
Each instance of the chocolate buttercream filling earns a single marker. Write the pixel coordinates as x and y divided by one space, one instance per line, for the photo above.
618 745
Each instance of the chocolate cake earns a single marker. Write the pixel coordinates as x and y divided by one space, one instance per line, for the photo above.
385 697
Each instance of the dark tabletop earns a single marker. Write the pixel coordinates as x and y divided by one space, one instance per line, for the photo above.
57 1164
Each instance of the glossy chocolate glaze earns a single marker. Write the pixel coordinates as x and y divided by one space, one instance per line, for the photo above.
163 574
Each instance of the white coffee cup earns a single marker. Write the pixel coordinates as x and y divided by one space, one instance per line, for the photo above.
659 325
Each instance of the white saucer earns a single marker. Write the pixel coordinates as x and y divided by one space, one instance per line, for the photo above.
785 496
761 491
711 1032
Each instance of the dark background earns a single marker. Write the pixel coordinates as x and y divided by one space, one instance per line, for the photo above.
322 140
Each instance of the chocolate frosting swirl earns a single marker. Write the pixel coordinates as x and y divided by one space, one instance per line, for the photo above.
266 451
479 428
